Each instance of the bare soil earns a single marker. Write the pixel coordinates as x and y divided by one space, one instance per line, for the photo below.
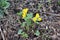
50 25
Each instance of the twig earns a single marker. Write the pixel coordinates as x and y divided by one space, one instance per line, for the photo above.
2 34
52 14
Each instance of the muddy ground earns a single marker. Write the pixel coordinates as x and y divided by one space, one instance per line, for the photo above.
50 14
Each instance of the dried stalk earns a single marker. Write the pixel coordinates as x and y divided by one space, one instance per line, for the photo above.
2 34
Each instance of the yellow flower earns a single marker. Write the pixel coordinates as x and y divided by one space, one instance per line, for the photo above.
39 19
34 19
24 12
37 15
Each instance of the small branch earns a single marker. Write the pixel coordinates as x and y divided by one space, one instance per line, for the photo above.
52 14
2 34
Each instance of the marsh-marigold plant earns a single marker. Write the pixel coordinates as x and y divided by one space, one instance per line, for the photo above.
28 22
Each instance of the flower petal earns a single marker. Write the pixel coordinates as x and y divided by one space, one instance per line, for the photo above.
34 19
39 19
37 15
24 12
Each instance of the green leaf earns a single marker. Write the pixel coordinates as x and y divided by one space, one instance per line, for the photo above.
20 31
26 18
6 5
1 13
27 28
30 15
23 24
58 2
29 22
37 33
49 1
6 0
19 13
37 22
24 35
